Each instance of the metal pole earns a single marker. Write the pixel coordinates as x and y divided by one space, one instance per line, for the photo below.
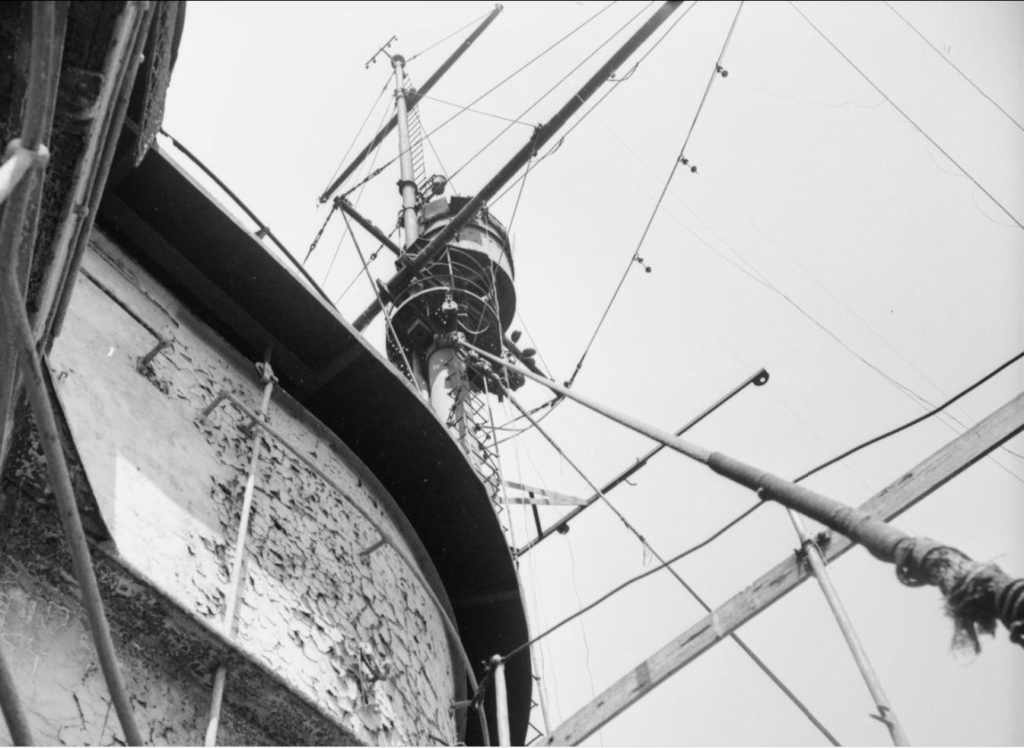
235 580
541 135
413 99
758 379
816 562
410 564
10 703
407 182
446 374
501 700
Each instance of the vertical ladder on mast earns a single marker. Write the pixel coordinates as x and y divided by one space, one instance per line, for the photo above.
416 135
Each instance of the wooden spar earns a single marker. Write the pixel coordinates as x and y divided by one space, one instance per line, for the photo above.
412 99
816 563
543 496
400 280
785 576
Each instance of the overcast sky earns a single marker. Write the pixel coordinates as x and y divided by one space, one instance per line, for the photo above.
822 238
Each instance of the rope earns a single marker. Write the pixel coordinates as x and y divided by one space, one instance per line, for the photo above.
912 422
907 117
633 580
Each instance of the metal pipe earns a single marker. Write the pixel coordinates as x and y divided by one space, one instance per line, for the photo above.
501 700
682 446
446 620
99 178
541 135
758 379
816 562
115 65
262 229
10 703
18 161
14 325
18 224
367 224
413 99
238 558
407 180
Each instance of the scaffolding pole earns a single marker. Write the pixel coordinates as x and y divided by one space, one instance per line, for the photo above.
816 563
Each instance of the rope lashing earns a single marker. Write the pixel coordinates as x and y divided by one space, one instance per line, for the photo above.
977 594
17 161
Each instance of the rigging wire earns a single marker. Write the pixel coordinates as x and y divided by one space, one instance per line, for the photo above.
373 107
437 156
558 83
337 248
479 111
615 83
650 221
633 580
376 291
953 65
557 400
711 80
759 277
914 421
359 274
907 117
443 40
493 88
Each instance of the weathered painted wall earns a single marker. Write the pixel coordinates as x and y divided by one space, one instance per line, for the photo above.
358 637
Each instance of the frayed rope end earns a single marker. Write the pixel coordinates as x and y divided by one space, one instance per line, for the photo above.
977 594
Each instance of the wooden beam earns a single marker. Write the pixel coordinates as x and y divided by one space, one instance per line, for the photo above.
542 496
785 576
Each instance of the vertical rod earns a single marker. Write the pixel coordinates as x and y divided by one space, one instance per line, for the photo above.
401 280
407 183
501 700
17 240
10 703
238 559
816 562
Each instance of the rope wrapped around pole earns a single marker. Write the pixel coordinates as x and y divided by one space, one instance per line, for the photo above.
976 594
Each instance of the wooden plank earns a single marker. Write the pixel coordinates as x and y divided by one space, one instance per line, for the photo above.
542 496
890 502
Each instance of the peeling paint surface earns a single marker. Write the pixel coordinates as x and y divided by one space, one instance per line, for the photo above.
356 636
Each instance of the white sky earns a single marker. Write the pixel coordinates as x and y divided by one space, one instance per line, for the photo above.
807 181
